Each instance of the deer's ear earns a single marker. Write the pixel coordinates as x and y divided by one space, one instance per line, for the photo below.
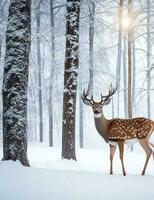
106 102
87 102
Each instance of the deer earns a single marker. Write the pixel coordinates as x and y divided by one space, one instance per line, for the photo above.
117 131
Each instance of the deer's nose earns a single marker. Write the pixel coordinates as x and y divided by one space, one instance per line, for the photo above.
96 112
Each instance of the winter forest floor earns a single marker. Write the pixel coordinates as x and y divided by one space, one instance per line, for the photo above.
87 179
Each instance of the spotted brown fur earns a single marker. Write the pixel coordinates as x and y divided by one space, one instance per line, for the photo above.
125 129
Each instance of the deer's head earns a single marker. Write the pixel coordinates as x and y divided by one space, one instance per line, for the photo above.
98 106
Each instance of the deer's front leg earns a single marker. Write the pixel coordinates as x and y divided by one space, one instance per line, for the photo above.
112 153
121 153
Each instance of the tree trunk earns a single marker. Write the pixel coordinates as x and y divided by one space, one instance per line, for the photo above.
1 19
148 60
38 24
119 56
112 100
125 78
129 80
52 73
15 82
134 76
129 66
0 48
81 117
91 44
70 79
130 37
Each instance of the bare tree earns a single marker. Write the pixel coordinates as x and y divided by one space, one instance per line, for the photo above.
129 63
51 73
133 75
119 55
15 81
148 59
91 43
38 26
81 113
125 77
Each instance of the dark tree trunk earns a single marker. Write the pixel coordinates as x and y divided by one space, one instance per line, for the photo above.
70 79
38 24
15 81
52 73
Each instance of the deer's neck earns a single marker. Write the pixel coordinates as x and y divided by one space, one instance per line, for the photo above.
102 125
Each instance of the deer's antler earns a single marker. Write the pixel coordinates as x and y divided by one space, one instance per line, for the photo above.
85 98
112 91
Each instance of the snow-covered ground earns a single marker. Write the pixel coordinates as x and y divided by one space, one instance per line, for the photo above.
87 179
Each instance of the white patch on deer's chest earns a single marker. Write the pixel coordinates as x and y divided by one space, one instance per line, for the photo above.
112 143
97 115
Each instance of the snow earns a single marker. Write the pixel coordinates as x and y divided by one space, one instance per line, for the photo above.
50 177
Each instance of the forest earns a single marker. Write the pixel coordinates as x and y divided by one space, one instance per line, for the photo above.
76 84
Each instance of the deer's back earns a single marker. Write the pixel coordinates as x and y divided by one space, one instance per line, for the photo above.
129 128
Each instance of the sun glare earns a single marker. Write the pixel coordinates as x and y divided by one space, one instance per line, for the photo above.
125 21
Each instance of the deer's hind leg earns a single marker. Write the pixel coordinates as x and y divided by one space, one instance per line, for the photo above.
121 154
112 153
145 145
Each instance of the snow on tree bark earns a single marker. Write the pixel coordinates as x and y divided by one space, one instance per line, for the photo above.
15 81
70 79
